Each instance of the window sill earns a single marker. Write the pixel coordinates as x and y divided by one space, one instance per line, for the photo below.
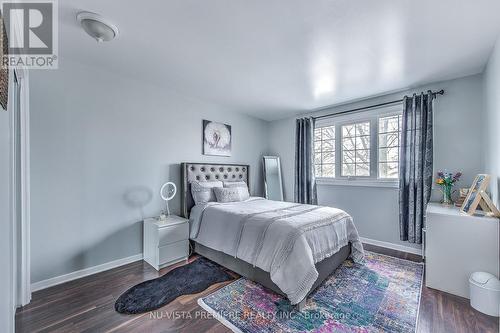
358 182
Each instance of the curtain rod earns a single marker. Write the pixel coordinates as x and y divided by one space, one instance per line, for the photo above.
434 93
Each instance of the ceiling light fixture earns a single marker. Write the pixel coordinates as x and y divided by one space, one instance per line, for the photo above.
97 27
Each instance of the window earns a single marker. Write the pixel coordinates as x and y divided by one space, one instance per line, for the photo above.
360 146
389 129
356 150
324 151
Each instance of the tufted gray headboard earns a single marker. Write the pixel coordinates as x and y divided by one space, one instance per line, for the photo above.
208 172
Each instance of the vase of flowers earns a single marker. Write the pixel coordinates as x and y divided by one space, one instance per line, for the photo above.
446 180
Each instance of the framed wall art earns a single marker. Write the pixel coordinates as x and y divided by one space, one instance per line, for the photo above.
217 138
477 197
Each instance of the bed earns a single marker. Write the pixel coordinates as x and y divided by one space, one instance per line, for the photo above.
288 248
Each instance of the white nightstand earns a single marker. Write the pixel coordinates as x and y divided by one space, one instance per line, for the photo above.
166 242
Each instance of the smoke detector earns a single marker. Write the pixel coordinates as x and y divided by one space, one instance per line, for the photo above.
97 26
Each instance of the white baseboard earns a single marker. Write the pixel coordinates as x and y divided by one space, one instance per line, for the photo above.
84 272
392 246
120 262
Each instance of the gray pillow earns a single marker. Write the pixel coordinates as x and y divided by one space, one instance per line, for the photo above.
235 184
231 194
202 192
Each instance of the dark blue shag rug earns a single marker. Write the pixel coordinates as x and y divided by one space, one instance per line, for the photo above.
188 279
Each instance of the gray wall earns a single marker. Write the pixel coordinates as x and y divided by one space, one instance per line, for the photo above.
6 280
101 147
103 144
492 121
458 146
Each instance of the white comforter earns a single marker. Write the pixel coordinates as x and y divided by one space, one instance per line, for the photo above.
284 239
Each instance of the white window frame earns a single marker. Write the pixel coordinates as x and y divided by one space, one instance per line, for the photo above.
371 116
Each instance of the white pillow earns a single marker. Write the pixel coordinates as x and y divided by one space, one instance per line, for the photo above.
231 194
235 184
202 192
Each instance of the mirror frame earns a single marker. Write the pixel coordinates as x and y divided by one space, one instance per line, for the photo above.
277 158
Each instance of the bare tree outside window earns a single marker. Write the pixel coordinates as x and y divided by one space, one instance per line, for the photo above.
324 151
366 148
389 129
356 149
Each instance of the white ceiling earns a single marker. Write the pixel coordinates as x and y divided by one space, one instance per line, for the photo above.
272 59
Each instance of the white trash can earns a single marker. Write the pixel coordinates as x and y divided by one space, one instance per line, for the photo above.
485 293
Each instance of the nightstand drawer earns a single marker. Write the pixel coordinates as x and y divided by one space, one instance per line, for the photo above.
172 234
174 251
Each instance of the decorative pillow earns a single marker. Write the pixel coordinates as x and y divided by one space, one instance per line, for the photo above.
231 194
235 184
203 192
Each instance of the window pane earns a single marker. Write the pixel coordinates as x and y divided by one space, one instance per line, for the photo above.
388 140
317 168
328 133
388 170
388 154
328 145
328 170
324 148
348 169
362 129
317 146
363 169
363 142
349 143
362 156
328 158
389 124
388 144
317 158
317 134
348 130
356 149
348 156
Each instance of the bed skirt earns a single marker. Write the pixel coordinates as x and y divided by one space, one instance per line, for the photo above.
325 267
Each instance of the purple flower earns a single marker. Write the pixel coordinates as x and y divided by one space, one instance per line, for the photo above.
457 176
440 174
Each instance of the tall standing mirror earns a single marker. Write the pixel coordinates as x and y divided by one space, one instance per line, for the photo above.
272 178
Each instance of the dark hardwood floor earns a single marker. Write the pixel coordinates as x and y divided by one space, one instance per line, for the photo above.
443 312
87 305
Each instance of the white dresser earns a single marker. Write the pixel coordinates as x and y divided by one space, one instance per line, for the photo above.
457 245
167 242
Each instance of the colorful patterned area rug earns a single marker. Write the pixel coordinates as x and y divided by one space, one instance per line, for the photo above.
380 295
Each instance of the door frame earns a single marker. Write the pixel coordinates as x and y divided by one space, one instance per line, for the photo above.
21 269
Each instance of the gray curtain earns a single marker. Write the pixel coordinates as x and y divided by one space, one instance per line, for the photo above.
305 184
415 172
